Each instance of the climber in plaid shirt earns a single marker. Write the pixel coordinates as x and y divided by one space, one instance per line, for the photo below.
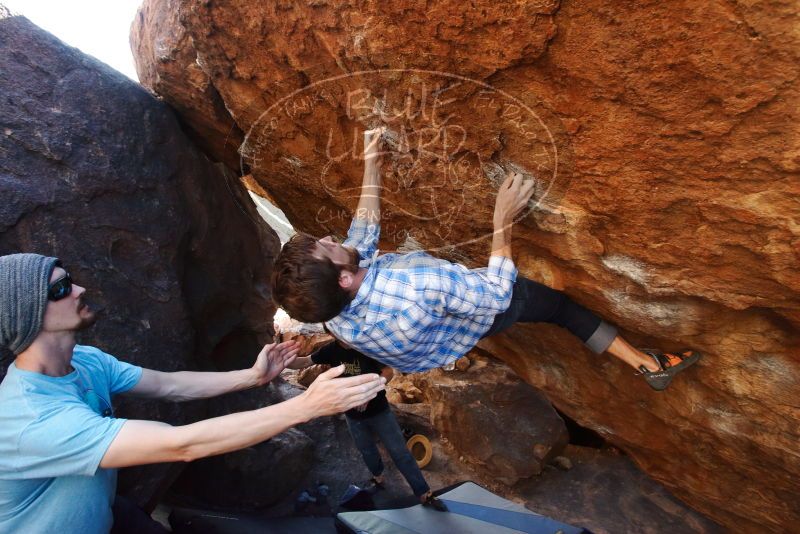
415 312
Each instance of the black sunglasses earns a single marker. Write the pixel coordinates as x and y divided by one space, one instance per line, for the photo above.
60 289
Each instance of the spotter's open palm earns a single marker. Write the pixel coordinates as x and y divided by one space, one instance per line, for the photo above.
273 359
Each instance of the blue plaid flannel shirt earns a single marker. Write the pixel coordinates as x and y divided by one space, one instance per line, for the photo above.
415 312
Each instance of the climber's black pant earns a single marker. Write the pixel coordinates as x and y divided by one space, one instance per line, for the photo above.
533 302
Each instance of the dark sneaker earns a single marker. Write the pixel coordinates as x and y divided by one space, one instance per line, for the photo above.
433 502
373 485
670 365
322 493
302 502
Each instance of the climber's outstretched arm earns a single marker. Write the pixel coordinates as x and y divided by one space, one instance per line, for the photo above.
513 196
369 205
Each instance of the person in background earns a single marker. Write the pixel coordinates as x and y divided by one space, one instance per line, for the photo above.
372 419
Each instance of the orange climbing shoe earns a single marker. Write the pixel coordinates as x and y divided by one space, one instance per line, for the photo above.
670 364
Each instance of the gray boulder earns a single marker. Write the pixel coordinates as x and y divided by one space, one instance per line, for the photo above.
96 171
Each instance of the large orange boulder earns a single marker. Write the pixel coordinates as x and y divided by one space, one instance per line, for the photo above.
663 140
491 418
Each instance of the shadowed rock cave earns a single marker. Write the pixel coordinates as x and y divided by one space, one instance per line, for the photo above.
582 436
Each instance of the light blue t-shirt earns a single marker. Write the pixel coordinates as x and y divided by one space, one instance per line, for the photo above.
53 433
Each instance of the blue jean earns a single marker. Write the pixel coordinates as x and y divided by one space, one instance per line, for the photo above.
385 426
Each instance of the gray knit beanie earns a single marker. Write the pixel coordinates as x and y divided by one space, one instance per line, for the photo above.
24 282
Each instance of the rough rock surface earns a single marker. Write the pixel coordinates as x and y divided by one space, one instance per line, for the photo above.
663 139
491 417
166 63
248 479
96 171
605 493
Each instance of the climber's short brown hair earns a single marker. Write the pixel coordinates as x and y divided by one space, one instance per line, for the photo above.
307 288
